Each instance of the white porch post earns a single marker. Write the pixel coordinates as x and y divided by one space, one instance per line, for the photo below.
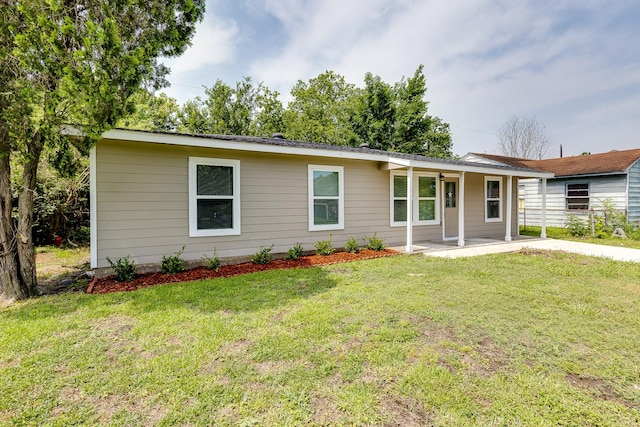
509 210
409 248
543 232
461 211
442 211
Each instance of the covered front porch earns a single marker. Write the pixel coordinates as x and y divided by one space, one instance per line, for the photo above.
473 246
466 206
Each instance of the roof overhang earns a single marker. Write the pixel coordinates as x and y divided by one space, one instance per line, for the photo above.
386 159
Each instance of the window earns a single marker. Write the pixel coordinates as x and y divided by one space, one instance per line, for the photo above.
578 196
214 197
399 199
450 194
493 199
326 198
427 189
425 199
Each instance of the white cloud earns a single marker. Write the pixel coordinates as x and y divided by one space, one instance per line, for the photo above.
213 44
485 60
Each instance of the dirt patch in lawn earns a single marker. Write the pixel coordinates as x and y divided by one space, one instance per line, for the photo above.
109 284
599 388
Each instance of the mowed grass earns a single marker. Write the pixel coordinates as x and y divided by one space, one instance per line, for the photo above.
54 261
533 338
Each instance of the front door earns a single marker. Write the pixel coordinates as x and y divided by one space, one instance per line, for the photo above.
451 208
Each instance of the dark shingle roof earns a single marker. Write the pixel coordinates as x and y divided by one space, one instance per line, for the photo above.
281 142
589 164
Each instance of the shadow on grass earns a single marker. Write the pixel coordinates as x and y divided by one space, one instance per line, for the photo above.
235 294
240 293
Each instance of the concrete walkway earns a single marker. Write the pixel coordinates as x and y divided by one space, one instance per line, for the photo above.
483 248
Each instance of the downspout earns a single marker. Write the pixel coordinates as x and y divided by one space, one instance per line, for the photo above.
461 211
409 248
509 210
543 231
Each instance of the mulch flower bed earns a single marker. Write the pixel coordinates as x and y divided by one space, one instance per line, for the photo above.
109 284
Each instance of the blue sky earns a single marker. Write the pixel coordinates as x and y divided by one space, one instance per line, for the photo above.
575 65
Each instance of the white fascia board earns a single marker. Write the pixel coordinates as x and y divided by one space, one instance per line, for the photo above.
206 142
481 168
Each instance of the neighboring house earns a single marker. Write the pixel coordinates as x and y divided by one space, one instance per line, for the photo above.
580 185
153 193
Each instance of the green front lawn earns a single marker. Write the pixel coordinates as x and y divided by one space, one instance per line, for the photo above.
516 339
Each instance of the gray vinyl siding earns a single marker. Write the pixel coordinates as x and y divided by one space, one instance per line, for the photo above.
600 188
143 203
633 214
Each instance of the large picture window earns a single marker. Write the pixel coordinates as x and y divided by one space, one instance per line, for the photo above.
326 198
214 197
492 199
578 197
425 199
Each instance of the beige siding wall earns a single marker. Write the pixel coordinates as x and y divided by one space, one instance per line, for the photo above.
475 225
143 206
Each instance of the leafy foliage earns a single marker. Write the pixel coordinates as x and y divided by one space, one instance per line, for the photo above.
324 247
213 261
374 242
576 226
321 110
173 263
71 62
352 245
247 109
263 256
124 268
294 253
152 112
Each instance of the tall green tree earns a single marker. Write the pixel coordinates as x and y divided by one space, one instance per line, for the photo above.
70 62
321 109
246 109
152 112
415 131
395 118
375 115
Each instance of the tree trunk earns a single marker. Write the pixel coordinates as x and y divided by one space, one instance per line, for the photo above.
11 287
24 233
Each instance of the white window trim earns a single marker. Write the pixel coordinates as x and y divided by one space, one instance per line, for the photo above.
340 198
415 199
193 197
499 199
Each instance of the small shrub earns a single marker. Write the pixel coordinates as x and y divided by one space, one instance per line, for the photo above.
374 242
213 262
324 247
173 263
600 229
124 268
352 245
294 253
576 226
263 256
81 235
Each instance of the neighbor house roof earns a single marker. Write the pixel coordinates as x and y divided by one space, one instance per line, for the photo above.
285 146
588 164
